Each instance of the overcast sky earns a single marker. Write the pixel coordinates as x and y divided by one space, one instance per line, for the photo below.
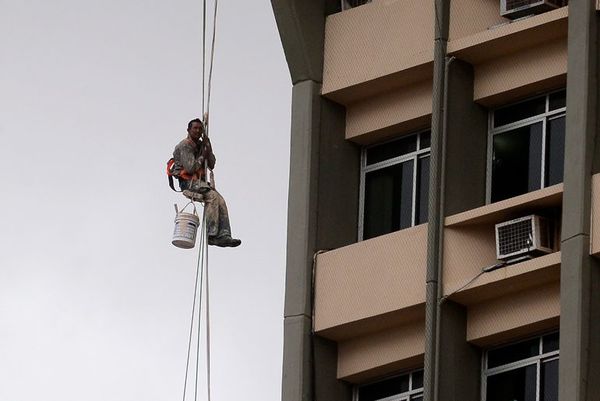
94 300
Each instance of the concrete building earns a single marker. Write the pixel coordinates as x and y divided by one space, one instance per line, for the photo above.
417 126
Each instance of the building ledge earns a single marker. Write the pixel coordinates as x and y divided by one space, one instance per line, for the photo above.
513 278
510 37
507 209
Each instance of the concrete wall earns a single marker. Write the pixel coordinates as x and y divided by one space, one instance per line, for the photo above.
389 114
516 75
514 315
382 353
370 278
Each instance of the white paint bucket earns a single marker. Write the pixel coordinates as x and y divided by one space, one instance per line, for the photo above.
186 227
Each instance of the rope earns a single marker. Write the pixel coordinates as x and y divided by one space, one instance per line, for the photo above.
201 255
199 274
202 262
207 320
203 52
212 56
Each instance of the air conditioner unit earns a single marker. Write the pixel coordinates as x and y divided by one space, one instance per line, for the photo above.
519 8
525 236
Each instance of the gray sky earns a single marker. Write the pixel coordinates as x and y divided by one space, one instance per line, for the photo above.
94 300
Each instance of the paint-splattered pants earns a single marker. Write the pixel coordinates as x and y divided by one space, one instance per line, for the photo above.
217 217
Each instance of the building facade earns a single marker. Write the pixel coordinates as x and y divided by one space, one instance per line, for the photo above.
417 127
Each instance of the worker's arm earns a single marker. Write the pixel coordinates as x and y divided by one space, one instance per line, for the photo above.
208 154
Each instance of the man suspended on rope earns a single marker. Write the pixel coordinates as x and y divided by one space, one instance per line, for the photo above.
190 158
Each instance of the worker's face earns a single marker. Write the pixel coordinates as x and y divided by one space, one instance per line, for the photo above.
195 131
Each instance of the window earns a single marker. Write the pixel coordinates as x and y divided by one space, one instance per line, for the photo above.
408 387
527 146
394 185
525 371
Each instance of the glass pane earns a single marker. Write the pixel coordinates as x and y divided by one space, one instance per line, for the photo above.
517 162
383 389
390 150
422 203
519 111
558 100
549 386
417 380
388 199
555 150
513 353
514 385
406 200
425 140
550 342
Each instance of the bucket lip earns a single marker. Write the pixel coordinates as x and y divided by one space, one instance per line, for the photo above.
185 215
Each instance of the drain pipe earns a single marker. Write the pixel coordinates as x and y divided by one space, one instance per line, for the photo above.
436 222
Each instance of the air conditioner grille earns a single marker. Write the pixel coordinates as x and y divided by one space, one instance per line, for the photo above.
516 237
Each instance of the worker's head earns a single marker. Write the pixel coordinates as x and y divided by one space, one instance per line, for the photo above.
195 129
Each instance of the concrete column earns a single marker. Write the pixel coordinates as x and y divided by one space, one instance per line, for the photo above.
323 199
297 382
466 125
580 273
435 224
459 361
458 364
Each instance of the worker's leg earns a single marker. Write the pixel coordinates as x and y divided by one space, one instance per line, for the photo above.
217 217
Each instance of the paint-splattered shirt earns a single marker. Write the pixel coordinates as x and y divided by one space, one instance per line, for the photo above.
190 156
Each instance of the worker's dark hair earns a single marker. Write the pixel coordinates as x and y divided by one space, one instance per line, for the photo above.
196 120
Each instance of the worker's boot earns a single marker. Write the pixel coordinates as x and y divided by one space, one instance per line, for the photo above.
224 241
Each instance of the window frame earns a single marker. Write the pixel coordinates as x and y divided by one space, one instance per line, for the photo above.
405 396
536 360
364 169
543 118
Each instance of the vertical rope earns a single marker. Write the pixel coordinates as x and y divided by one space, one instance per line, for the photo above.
197 370
207 323
202 253
203 53
212 55
199 274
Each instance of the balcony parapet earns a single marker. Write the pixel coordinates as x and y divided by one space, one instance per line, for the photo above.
371 285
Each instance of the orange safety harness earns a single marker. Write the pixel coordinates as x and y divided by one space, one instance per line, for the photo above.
183 174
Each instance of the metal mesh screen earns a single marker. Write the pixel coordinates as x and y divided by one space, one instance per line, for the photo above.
515 237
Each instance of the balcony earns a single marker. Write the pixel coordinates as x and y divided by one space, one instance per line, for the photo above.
370 285
370 298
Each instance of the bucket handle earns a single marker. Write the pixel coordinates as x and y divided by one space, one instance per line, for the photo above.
189 203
